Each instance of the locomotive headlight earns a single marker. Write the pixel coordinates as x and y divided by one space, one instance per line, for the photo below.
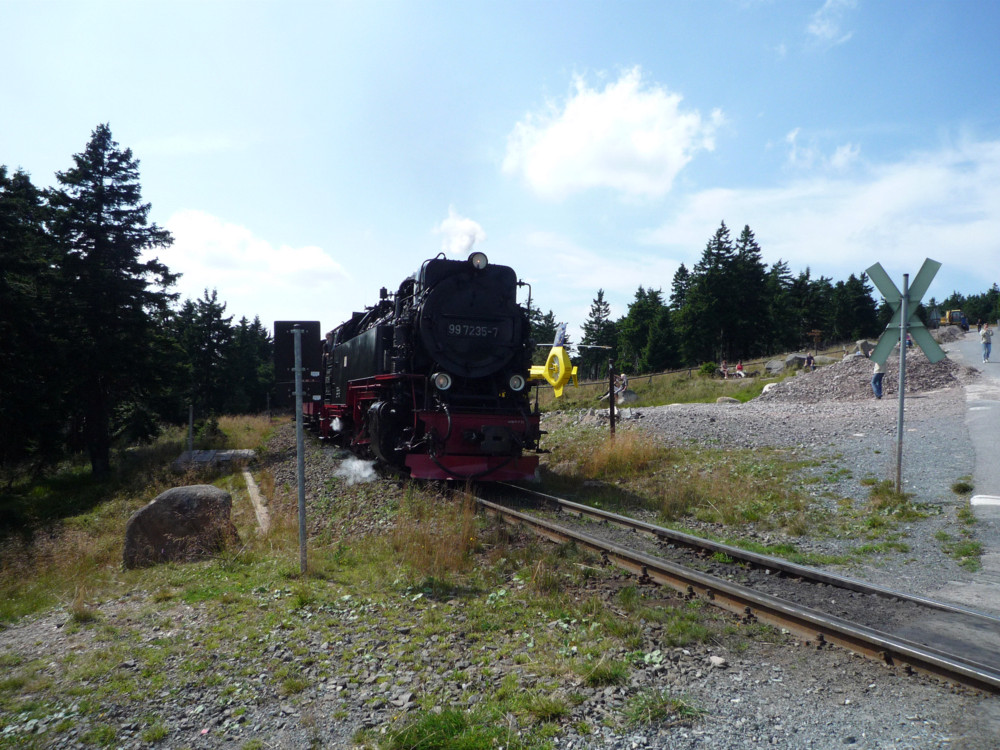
479 261
516 383
441 380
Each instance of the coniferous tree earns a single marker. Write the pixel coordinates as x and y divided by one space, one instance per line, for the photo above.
749 290
634 329
812 301
679 287
854 313
598 331
249 368
706 322
661 345
781 316
102 229
204 332
33 373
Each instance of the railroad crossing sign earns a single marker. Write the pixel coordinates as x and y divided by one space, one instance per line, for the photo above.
894 331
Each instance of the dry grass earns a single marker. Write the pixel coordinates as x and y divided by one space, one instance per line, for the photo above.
247 431
431 538
624 455
634 470
76 545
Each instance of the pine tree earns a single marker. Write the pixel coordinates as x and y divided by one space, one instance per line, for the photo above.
634 330
249 372
102 229
204 333
781 316
661 345
598 331
33 374
680 286
707 320
749 298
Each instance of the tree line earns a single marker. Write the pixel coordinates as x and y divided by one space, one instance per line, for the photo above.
731 305
94 351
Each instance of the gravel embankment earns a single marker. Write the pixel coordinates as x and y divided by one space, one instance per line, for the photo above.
765 695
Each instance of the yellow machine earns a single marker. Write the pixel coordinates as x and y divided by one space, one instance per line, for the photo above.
557 370
955 318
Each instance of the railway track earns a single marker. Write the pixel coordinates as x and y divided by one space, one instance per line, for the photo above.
913 633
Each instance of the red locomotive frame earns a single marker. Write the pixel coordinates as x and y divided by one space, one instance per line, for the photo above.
450 454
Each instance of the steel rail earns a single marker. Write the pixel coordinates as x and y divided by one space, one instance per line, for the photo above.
754 558
808 623
787 568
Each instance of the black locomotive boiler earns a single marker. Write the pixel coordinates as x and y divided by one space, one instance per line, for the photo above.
433 379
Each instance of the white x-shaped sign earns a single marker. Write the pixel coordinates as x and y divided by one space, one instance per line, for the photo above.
894 298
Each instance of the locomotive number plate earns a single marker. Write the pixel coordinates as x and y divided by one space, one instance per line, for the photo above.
473 330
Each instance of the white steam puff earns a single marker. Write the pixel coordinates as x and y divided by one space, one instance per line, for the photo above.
356 471
459 234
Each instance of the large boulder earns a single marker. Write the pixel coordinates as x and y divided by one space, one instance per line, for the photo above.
795 361
864 347
628 396
774 366
180 525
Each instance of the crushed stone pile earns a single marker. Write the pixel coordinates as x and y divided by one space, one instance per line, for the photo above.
947 334
850 379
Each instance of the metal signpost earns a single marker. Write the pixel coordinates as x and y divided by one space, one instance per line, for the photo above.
904 317
300 449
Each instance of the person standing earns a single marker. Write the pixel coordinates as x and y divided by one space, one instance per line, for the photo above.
986 336
877 380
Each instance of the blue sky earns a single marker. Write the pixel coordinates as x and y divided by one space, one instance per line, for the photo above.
305 154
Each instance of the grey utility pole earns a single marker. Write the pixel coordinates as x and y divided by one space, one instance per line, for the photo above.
300 449
904 306
903 325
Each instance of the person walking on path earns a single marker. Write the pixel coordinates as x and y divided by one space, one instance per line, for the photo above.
877 380
986 336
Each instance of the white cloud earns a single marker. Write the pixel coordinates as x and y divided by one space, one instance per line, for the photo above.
943 205
826 23
631 137
253 276
458 233
809 156
845 156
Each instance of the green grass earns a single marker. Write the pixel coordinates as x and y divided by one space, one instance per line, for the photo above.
658 707
683 387
400 595
63 534
710 485
966 551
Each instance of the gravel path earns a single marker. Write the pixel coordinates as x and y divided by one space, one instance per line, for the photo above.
765 695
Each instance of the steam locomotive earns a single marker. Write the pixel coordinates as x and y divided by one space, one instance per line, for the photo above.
433 379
